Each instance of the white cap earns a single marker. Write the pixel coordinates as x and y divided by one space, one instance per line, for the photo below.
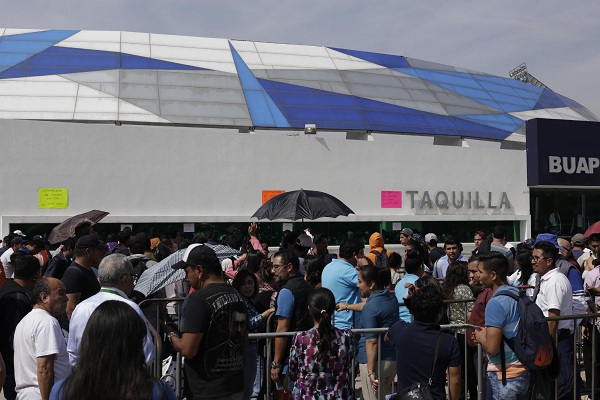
429 237
18 232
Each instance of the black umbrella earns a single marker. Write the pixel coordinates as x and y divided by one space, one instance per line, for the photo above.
66 229
302 204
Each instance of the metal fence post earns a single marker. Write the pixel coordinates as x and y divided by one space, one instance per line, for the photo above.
479 372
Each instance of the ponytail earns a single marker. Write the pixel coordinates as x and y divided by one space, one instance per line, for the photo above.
321 305
325 331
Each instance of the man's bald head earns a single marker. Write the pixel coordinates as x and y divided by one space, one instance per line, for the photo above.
566 245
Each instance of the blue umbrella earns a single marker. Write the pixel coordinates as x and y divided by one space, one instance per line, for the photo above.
162 274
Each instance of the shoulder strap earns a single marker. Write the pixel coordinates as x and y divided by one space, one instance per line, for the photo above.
503 361
438 348
375 252
509 294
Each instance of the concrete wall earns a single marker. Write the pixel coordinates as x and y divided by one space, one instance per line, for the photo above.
175 174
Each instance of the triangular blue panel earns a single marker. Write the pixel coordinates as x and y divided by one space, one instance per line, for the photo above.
505 122
263 110
15 49
66 60
302 105
549 99
508 95
569 102
405 119
386 60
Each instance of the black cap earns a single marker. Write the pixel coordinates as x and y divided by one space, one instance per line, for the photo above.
197 254
17 240
90 242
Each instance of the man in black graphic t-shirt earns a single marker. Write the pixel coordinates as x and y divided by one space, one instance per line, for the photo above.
214 329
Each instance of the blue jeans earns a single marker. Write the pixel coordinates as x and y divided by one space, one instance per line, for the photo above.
516 388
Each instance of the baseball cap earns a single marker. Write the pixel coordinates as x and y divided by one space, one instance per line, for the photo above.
407 232
90 242
19 233
197 254
430 236
578 239
548 237
17 240
304 240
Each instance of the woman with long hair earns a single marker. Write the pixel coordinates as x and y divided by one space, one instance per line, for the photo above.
321 357
313 268
524 275
111 360
456 287
414 249
246 283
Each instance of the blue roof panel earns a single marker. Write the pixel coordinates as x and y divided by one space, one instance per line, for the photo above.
263 111
15 49
386 60
66 60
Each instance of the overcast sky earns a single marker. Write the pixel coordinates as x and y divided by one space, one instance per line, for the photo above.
559 40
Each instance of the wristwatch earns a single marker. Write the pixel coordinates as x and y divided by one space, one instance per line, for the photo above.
371 373
171 334
275 365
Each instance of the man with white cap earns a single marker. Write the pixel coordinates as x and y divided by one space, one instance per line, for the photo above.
435 252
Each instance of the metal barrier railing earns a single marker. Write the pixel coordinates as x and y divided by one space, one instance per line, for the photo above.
156 368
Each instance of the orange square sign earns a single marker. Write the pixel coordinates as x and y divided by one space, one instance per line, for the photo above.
269 194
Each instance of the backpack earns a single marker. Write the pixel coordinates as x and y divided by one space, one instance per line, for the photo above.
381 258
533 343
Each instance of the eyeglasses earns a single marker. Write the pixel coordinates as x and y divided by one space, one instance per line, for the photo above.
133 276
536 258
277 266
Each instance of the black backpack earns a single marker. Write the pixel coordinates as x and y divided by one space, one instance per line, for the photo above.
381 258
533 344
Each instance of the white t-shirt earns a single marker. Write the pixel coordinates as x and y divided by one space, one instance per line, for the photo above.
38 334
5 260
556 293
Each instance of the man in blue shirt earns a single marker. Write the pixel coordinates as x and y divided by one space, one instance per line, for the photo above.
341 277
291 307
414 270
501 319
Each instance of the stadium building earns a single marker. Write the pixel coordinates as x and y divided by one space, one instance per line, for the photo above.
167 132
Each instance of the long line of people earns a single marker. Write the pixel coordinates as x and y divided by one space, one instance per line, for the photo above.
46 319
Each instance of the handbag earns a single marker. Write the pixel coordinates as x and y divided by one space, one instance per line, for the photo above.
421 390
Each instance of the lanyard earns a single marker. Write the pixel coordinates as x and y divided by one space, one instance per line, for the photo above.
111 291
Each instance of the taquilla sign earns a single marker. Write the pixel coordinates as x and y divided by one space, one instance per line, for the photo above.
458 200
563 153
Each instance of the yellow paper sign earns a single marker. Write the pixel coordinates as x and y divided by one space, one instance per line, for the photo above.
53 197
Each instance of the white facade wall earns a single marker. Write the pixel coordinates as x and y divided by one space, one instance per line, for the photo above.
174 174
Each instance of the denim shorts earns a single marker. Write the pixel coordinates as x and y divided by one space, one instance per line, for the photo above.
516 388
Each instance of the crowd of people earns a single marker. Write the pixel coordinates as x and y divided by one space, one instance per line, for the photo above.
72 325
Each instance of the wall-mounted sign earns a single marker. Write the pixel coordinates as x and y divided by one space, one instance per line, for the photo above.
457 200
269 194
189 228
563 153
53 198
391 199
